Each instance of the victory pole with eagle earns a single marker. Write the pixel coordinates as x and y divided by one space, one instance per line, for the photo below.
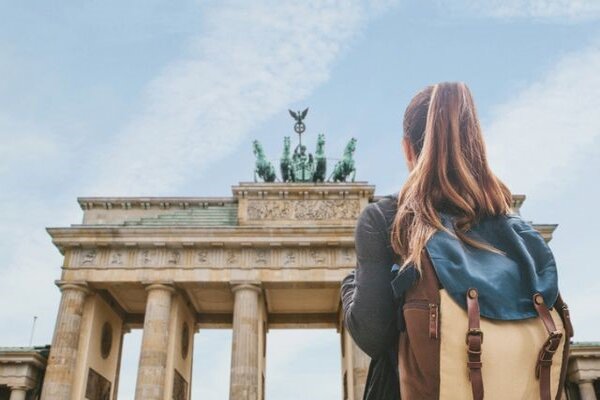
301 166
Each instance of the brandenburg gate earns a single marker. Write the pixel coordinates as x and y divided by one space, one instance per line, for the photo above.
271 256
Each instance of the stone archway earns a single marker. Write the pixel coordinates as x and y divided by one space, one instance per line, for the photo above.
271 256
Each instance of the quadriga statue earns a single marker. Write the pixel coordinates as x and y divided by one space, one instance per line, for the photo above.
345 166
263 168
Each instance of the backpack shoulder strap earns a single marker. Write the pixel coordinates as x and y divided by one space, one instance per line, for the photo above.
474 340
542 369
563 311
431 286
430 282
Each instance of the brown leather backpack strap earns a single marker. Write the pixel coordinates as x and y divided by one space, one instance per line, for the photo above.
544 363
432 290
431 281
474 340
563 311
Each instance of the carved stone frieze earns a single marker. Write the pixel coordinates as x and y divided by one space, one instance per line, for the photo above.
174 257
147 257
290 258
202 257
216 257
117 257
262 257
346 256
306 210
88 257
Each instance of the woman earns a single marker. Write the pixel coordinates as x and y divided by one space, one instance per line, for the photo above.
451 224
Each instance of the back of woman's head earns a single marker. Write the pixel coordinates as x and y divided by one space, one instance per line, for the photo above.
450 174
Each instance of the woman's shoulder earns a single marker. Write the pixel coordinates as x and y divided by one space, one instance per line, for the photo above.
387 206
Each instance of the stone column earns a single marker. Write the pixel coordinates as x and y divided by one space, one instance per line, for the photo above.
244 379
355 366
150 383
18 393
60 372
360 368
586 390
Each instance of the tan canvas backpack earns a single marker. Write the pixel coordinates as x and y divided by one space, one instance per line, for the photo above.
449 352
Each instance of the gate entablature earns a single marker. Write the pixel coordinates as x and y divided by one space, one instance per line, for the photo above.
295 240
301 204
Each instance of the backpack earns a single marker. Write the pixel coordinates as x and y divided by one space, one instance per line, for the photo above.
448 350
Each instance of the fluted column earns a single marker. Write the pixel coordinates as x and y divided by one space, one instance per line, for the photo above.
60 372
150 383
586 390
360 368
18 393
244 379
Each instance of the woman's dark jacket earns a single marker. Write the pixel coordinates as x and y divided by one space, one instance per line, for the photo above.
372 310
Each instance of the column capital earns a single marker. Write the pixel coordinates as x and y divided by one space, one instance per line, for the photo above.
161 285
247 285
73 285
586 380
20 387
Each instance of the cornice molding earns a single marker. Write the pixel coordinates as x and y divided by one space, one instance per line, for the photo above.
126 203
303 191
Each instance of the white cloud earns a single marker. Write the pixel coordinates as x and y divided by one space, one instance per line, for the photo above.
545 143
559 10
250 61
537 138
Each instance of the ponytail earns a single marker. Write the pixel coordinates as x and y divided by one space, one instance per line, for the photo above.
451 173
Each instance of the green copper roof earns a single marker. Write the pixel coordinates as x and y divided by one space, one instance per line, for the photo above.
225 215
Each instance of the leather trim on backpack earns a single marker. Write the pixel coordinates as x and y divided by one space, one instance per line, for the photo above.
563 311
419 352
544 363
474 340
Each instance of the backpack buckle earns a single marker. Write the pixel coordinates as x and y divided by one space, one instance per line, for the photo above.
474 332
553 341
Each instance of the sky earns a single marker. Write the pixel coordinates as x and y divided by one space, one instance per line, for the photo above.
164 98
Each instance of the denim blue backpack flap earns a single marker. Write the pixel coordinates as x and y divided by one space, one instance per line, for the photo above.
506 283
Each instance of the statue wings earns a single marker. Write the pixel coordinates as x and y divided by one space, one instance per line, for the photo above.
300 115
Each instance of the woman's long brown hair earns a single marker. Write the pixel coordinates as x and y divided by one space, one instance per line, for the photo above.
451 173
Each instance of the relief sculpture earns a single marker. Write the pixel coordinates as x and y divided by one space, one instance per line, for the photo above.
261 257
270 210
89 257
290 258
174 257
116 258
147 257
346 255
202 256
303 209
231 257
317 256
